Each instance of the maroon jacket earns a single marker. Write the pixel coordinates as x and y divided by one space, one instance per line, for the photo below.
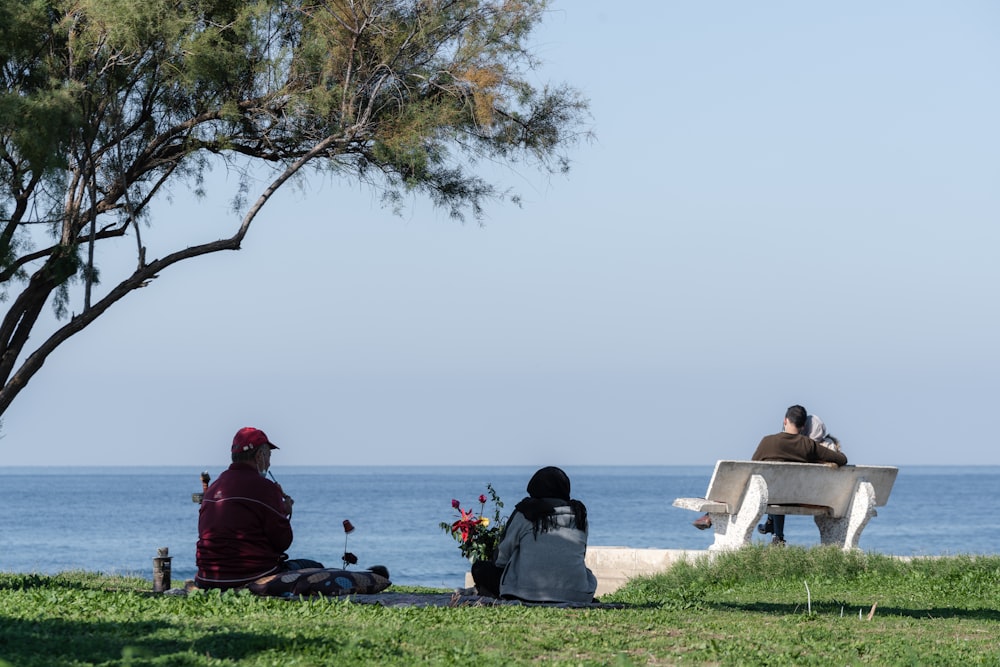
797 448
243 530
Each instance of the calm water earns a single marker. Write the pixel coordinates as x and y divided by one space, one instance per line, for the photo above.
112 520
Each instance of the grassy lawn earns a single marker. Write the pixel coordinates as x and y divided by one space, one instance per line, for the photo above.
757 606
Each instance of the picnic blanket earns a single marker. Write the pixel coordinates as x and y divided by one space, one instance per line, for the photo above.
400 600
368 588
319 581
459 599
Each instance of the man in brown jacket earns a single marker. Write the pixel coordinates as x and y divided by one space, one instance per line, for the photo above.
792 445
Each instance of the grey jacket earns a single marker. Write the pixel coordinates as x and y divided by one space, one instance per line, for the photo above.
548 567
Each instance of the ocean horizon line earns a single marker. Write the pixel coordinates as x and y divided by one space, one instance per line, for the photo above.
325 468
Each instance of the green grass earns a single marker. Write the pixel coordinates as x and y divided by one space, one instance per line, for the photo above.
757 606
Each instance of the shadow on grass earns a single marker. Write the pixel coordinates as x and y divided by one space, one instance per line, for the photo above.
827 609
58 643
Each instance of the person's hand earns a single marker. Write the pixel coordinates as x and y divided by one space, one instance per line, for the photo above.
287 499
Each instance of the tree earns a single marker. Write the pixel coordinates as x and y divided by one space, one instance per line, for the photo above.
106 104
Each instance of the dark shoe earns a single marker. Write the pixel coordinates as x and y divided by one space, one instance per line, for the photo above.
702 522
380 570
777 541
766 527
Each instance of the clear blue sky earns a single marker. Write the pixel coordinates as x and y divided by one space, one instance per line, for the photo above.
785 203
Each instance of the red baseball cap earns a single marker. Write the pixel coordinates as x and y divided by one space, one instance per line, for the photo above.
248 438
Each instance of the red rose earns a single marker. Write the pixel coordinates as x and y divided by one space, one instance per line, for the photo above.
455 503
482 499
348 526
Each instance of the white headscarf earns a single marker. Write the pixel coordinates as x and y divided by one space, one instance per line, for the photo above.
816 430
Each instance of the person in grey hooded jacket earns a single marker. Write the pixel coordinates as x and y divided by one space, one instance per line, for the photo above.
541 554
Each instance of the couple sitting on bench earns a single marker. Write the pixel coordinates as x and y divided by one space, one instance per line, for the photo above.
803 439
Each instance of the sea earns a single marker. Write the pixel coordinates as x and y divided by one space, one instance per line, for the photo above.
113 520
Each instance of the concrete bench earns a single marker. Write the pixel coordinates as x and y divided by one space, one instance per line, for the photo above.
841 500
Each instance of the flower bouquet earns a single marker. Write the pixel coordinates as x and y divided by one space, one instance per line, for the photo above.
477 536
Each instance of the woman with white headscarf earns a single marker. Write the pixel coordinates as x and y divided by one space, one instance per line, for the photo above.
816 429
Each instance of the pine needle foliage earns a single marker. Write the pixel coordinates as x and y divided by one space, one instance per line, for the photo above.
107 106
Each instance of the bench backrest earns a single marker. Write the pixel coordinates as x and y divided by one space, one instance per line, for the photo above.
799 483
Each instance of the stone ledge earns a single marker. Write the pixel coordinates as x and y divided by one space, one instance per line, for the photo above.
614 566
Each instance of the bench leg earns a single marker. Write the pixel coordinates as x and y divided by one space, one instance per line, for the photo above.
846 531
733 531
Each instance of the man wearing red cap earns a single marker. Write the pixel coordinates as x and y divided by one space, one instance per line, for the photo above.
244 524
